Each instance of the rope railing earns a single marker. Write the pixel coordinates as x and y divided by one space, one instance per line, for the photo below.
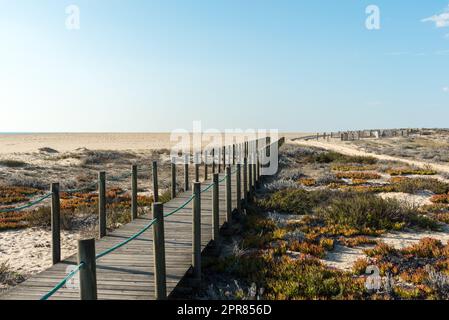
48 195
26 206
121 244
133 174
117 246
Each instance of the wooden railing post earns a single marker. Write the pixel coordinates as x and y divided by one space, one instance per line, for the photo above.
102 203
55 223
254 171
215 208
257 169
186 173
134 192
228 195
155 182
224 158
245 180
159 252
250 178
206 159
214 169
88 271
173 178
219 159
197 167
239 188
196 232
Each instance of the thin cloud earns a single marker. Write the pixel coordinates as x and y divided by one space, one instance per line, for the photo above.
441 20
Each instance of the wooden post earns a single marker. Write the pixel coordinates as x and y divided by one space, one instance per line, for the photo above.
197 168
219 159
88 271
254 172
213 161
102 203
206 159
215 208
239 187
55 223
134 192
173 178
258 168
250 178
186 173
159 252
228 195
224 159
245 180
155 183
196 241
268 142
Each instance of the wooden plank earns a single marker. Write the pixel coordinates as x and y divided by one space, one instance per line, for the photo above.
127 273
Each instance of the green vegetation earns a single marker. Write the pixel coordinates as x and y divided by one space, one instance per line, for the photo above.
12 163
362 211
331 156
295 201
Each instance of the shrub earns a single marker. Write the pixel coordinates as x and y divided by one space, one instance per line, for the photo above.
410 171
358 175
425 248
290 174
13 163
360 265
296 201
278 185
346 168
307 248
307 182
356 241
421 184
381 250
440 198
331 156
369 211
9 277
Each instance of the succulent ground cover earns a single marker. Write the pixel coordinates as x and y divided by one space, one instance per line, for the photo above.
319 202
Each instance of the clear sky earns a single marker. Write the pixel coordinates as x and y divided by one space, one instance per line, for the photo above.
158 65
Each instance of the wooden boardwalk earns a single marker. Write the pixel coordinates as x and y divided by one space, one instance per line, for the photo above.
127 273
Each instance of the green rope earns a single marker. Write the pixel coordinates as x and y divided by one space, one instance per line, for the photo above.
106 252
207 188
121 244
181 207
62 282
90 186
28 205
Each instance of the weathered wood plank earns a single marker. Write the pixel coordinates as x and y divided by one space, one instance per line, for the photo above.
127 273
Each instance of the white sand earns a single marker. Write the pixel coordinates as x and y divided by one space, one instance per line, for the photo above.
340 147
28 251
63 142
343 258
415 200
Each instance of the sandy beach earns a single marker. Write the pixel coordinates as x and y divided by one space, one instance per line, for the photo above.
63 142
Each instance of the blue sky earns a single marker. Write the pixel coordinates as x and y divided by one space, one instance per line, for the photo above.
159 65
